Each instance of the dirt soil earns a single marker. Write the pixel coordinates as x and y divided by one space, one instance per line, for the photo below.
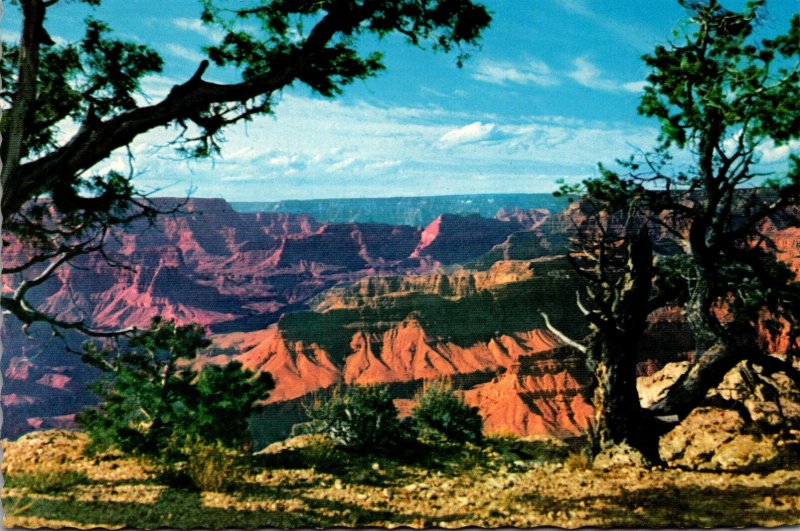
319 486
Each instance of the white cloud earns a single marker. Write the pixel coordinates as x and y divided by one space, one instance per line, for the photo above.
184 53
631 31
589 75
10 36
320 148
532 72
196 26
772 153
287 161
578 7
473 132
382 166
241 178
156 87
768 151
341 165
634 86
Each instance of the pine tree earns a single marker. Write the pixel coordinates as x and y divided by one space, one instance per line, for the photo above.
153 402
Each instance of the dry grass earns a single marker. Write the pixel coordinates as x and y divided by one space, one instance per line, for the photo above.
213 468
578 461
385 491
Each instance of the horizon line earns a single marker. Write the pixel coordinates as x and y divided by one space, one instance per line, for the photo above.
355 198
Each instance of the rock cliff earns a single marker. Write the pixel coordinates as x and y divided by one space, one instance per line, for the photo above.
228 271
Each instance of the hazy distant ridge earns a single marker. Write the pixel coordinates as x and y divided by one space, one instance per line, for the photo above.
416 211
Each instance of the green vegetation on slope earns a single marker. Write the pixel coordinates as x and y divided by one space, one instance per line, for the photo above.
505 309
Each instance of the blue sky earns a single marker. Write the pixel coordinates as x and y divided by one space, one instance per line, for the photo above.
552 91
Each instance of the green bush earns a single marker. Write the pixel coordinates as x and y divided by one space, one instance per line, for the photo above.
312 450
362 418
441 416
153 402
46 479
579 460
535 449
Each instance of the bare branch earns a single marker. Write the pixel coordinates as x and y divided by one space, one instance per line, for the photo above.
579 302
561 335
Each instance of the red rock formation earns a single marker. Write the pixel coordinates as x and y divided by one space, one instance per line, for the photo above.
54 380
407 352
59 422
298 368
350 246
452 239
238 272
541 394
18 368
230 272
213 266
14 399
528 219
541 390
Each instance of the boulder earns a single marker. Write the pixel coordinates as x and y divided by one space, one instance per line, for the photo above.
746 453
717 439
620 456
654 387
750 420
694 441
772 401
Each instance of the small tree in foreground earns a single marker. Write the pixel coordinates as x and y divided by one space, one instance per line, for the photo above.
154 403
441 415
360 418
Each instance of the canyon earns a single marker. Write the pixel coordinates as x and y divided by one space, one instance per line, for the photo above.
321 304
232 272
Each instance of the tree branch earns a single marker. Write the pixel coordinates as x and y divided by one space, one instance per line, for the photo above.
28 315
561 335
96 141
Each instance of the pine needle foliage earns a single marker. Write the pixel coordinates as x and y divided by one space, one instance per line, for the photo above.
360 418
153 402
442 416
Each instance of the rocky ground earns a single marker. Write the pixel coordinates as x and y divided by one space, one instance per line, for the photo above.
308 483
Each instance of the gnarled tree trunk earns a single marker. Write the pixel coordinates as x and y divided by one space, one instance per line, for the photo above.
618 415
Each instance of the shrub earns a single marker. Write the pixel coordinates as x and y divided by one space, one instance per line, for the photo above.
46 479
174 476
153 402
579 460
362 418
314 450
441 416
321 454
212 467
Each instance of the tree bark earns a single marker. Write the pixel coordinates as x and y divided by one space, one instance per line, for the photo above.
618 415
19 115
706 372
